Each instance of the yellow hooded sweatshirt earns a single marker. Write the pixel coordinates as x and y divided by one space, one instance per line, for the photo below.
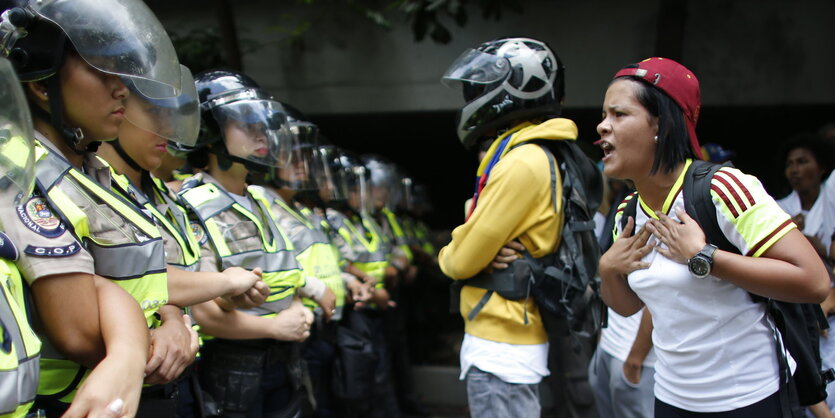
514 204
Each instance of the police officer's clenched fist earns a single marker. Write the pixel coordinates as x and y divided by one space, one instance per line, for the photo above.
293 323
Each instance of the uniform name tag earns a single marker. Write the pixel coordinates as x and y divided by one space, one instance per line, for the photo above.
64 251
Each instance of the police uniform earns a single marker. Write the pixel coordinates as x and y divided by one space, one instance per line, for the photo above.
72 224
361 243
321 260
313 249
393 231
181 247
239 231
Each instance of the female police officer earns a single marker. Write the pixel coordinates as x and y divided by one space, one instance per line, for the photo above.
75 58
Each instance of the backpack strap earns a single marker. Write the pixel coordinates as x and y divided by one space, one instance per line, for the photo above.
698 203
500 283
631 209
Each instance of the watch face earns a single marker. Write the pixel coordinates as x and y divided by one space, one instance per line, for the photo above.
699 266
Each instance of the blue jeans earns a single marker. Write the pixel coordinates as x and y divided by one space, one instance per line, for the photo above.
489 396
615 396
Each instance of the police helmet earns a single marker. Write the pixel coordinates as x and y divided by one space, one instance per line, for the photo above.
241 122
117 37
384 181
304 165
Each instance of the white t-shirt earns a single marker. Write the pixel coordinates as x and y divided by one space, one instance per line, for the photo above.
617 338
715 347
513 363
819 221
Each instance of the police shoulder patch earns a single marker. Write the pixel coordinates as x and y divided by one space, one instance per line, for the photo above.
62 251
37 215
7 248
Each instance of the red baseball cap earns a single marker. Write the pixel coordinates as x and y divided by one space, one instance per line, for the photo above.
677 82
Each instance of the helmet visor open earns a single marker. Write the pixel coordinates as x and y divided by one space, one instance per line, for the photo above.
176 119
476 67
121 37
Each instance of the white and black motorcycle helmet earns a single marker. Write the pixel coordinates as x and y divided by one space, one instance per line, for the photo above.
505 80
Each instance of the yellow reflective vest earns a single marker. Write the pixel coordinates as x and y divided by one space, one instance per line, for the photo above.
399 237
314 252
280 270
135 261
372 253
174 220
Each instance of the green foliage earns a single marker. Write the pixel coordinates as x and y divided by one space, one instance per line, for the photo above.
427 16
202 49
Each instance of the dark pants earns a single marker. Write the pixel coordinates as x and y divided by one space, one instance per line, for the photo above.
766 408
247 378
383 402
319 355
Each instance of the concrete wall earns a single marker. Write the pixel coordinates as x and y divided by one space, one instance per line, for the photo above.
745 52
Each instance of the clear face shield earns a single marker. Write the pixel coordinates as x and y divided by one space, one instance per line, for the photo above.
17 144
383 183
120 37
304 166
332 180
176 119
473 71
256 130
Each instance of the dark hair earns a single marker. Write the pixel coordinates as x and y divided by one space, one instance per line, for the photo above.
820 149
673 139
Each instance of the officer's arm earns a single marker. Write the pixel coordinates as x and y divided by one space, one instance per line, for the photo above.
237 325
119 375
69 310
186 288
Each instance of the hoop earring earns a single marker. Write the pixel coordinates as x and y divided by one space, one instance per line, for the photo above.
655 139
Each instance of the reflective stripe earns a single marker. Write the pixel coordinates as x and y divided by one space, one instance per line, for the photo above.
189 245
46 171
374 260
208 200
270 308
399 237
185 239
136 262
279 261
280 270
18 386
130 261
292 211
19 354
264 205
315 254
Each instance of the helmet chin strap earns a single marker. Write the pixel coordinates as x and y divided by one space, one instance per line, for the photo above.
146 183
225 160
127 158
73 137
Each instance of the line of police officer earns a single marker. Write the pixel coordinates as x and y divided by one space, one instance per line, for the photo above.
274 225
